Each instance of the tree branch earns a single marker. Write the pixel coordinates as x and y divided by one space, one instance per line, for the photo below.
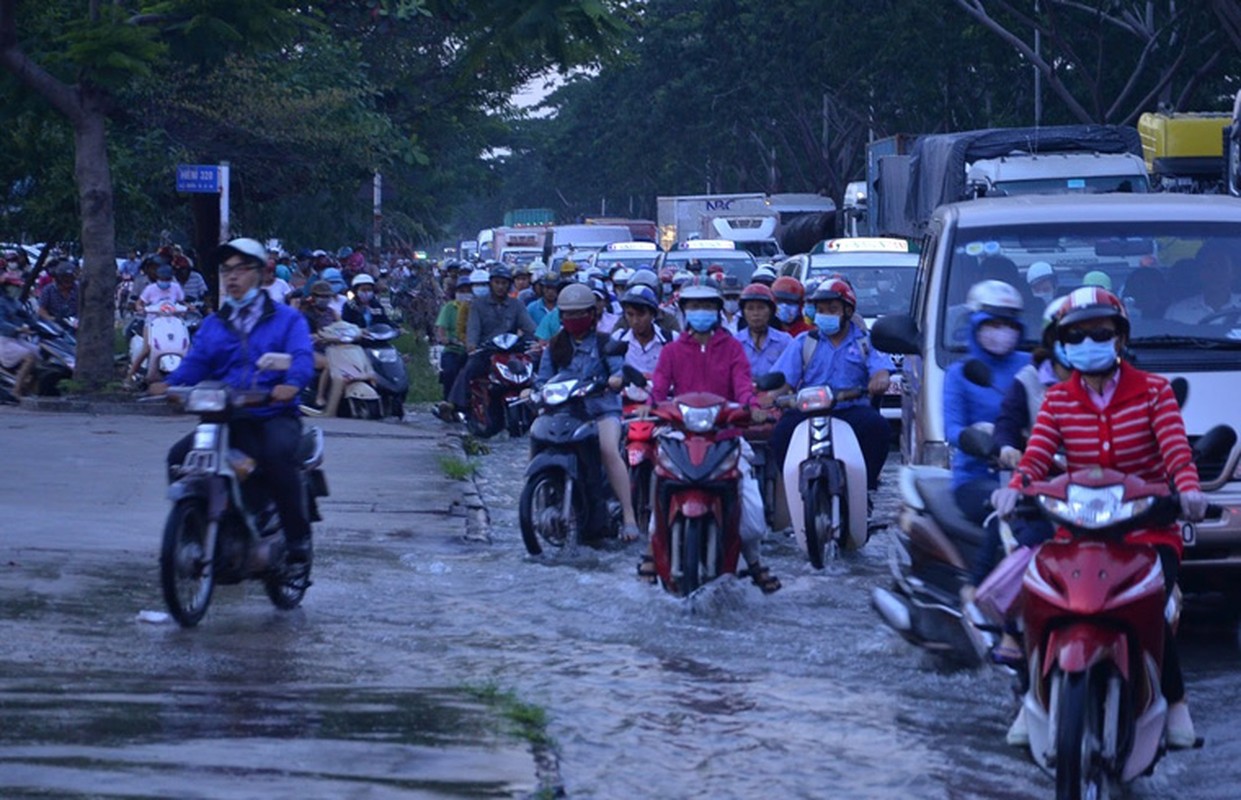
60 95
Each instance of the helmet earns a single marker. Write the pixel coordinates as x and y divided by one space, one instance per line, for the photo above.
568 267
834 289
1098 278
788 289
164 272
715 269
730 286
644 277
681 278
640 295
283 272
362 279
622 276
1038 271
322 289
64 269
501 271
333 276
996 298
614 267
344 252
248 249
575 297
479 277
597 287
1092 302
701 291
758 293
521 269
764 275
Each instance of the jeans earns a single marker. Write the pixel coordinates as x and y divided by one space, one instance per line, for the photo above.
476 366
869 426
272 442
451 362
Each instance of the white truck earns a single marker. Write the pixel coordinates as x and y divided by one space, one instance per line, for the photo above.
752 220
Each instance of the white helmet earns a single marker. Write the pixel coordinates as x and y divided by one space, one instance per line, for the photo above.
362 279
622 276
645 277
246 248
995 297
480 277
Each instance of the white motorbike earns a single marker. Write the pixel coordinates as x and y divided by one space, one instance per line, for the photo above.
351 374
169 336
825 476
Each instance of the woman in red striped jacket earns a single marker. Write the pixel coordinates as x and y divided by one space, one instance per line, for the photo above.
1111 414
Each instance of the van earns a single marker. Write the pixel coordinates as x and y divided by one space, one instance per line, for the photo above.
1145 244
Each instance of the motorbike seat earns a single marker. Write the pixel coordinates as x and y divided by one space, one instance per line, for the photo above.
937 493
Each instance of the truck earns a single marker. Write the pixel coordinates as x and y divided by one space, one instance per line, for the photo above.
753 220
518 244
1184 152
949 167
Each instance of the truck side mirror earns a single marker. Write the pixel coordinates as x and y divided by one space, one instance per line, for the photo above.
896 333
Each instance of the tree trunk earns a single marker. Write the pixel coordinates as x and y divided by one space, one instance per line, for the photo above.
96 337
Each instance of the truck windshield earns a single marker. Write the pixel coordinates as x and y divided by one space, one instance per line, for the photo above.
1099 184
879 290
1181 282
734 262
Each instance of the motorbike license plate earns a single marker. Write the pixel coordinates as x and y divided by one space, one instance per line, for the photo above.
635 458
1189 534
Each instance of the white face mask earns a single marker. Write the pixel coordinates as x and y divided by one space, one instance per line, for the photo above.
998 340
731 306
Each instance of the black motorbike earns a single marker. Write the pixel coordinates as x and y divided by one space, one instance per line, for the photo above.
57 356
391 376
219 531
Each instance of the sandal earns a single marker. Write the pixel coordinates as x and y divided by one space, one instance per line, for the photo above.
646 570
764 580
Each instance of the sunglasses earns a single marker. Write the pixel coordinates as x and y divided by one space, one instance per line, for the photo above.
1078 335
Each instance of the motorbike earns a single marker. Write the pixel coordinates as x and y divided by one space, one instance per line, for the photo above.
825 476
1094 614
169 337
566 499
352 378
391 377
217 533
57 356
496 397
639 449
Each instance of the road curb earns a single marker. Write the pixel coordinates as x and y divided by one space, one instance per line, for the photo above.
473 507
96 406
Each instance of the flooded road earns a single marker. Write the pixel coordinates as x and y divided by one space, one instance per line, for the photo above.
424 665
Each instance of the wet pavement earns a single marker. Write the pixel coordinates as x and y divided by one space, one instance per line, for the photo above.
422 664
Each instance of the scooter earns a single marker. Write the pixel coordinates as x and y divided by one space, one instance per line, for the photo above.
825 476
391 377
169 337
496 400
1094 614
639 449
566 499
351 376
215 532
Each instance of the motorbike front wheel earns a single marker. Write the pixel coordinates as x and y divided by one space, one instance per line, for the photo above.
694 571
286 588
185 568
1079 768
541 513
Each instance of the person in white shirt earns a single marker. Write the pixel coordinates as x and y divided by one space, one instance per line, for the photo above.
1215 276
275 286
646 339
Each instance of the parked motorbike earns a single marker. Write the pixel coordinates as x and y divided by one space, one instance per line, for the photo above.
1094 614
216 533
495 397
825 476
391 377
566 499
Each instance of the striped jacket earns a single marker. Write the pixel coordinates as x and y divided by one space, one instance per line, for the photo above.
1139 432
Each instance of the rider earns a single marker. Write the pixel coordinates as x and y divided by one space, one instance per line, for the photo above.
730 287
453 356
547 288
491 314
1110 414
790 295
579 350
763 344
645 338
226 349
15 353
165 291
706 358
838 354
60 300
364 309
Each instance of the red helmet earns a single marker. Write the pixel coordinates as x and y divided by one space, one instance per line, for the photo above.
757 292
835 289
715 269
1092 302
788 289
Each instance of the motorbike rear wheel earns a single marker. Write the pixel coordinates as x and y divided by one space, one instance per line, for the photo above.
540 511
186 571
1079 769
640 492
485 428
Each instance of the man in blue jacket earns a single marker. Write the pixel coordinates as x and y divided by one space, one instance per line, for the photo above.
226 349
995 331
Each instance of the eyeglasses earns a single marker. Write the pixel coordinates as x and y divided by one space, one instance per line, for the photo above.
227 268
1079 335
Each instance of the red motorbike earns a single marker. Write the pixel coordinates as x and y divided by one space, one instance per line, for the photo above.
496 402
697 505
639 450
1094 612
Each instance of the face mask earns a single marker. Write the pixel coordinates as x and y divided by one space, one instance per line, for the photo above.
578 326
163 284
1062 358
731 306
1091 356
1044 297
701 319
787 312
828 324
245 300
365 297
998 341
480 291
323 302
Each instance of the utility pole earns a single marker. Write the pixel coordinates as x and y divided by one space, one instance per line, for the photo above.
377 204
1038 73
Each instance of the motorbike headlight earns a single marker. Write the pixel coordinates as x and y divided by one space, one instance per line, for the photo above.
556 393
814 398
386 354
1093 508
699 420
207 400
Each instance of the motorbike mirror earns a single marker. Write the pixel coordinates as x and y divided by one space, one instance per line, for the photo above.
770 381
633 376
978 373
275 362
1180 390
1215 444
976 442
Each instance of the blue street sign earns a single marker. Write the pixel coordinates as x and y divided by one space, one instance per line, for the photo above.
198 178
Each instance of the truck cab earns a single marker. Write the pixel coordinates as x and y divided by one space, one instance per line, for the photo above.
1053 173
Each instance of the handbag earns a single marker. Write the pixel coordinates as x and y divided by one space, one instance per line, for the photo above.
997 597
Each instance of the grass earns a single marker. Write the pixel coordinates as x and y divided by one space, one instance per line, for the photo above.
458 469
527 721
424 383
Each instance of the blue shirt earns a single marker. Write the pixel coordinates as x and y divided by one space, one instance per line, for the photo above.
538 309
549 326
847 366
764 360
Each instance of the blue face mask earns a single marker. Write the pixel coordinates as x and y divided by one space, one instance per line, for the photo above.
828 324
245 300
787 312
163 284
481 290
1057 352
1091 356
701 319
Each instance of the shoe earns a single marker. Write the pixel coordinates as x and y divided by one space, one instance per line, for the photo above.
446 412
1179 727
1018 733
298 552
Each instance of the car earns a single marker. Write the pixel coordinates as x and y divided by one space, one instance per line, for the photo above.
1143 245
633 255
706 252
